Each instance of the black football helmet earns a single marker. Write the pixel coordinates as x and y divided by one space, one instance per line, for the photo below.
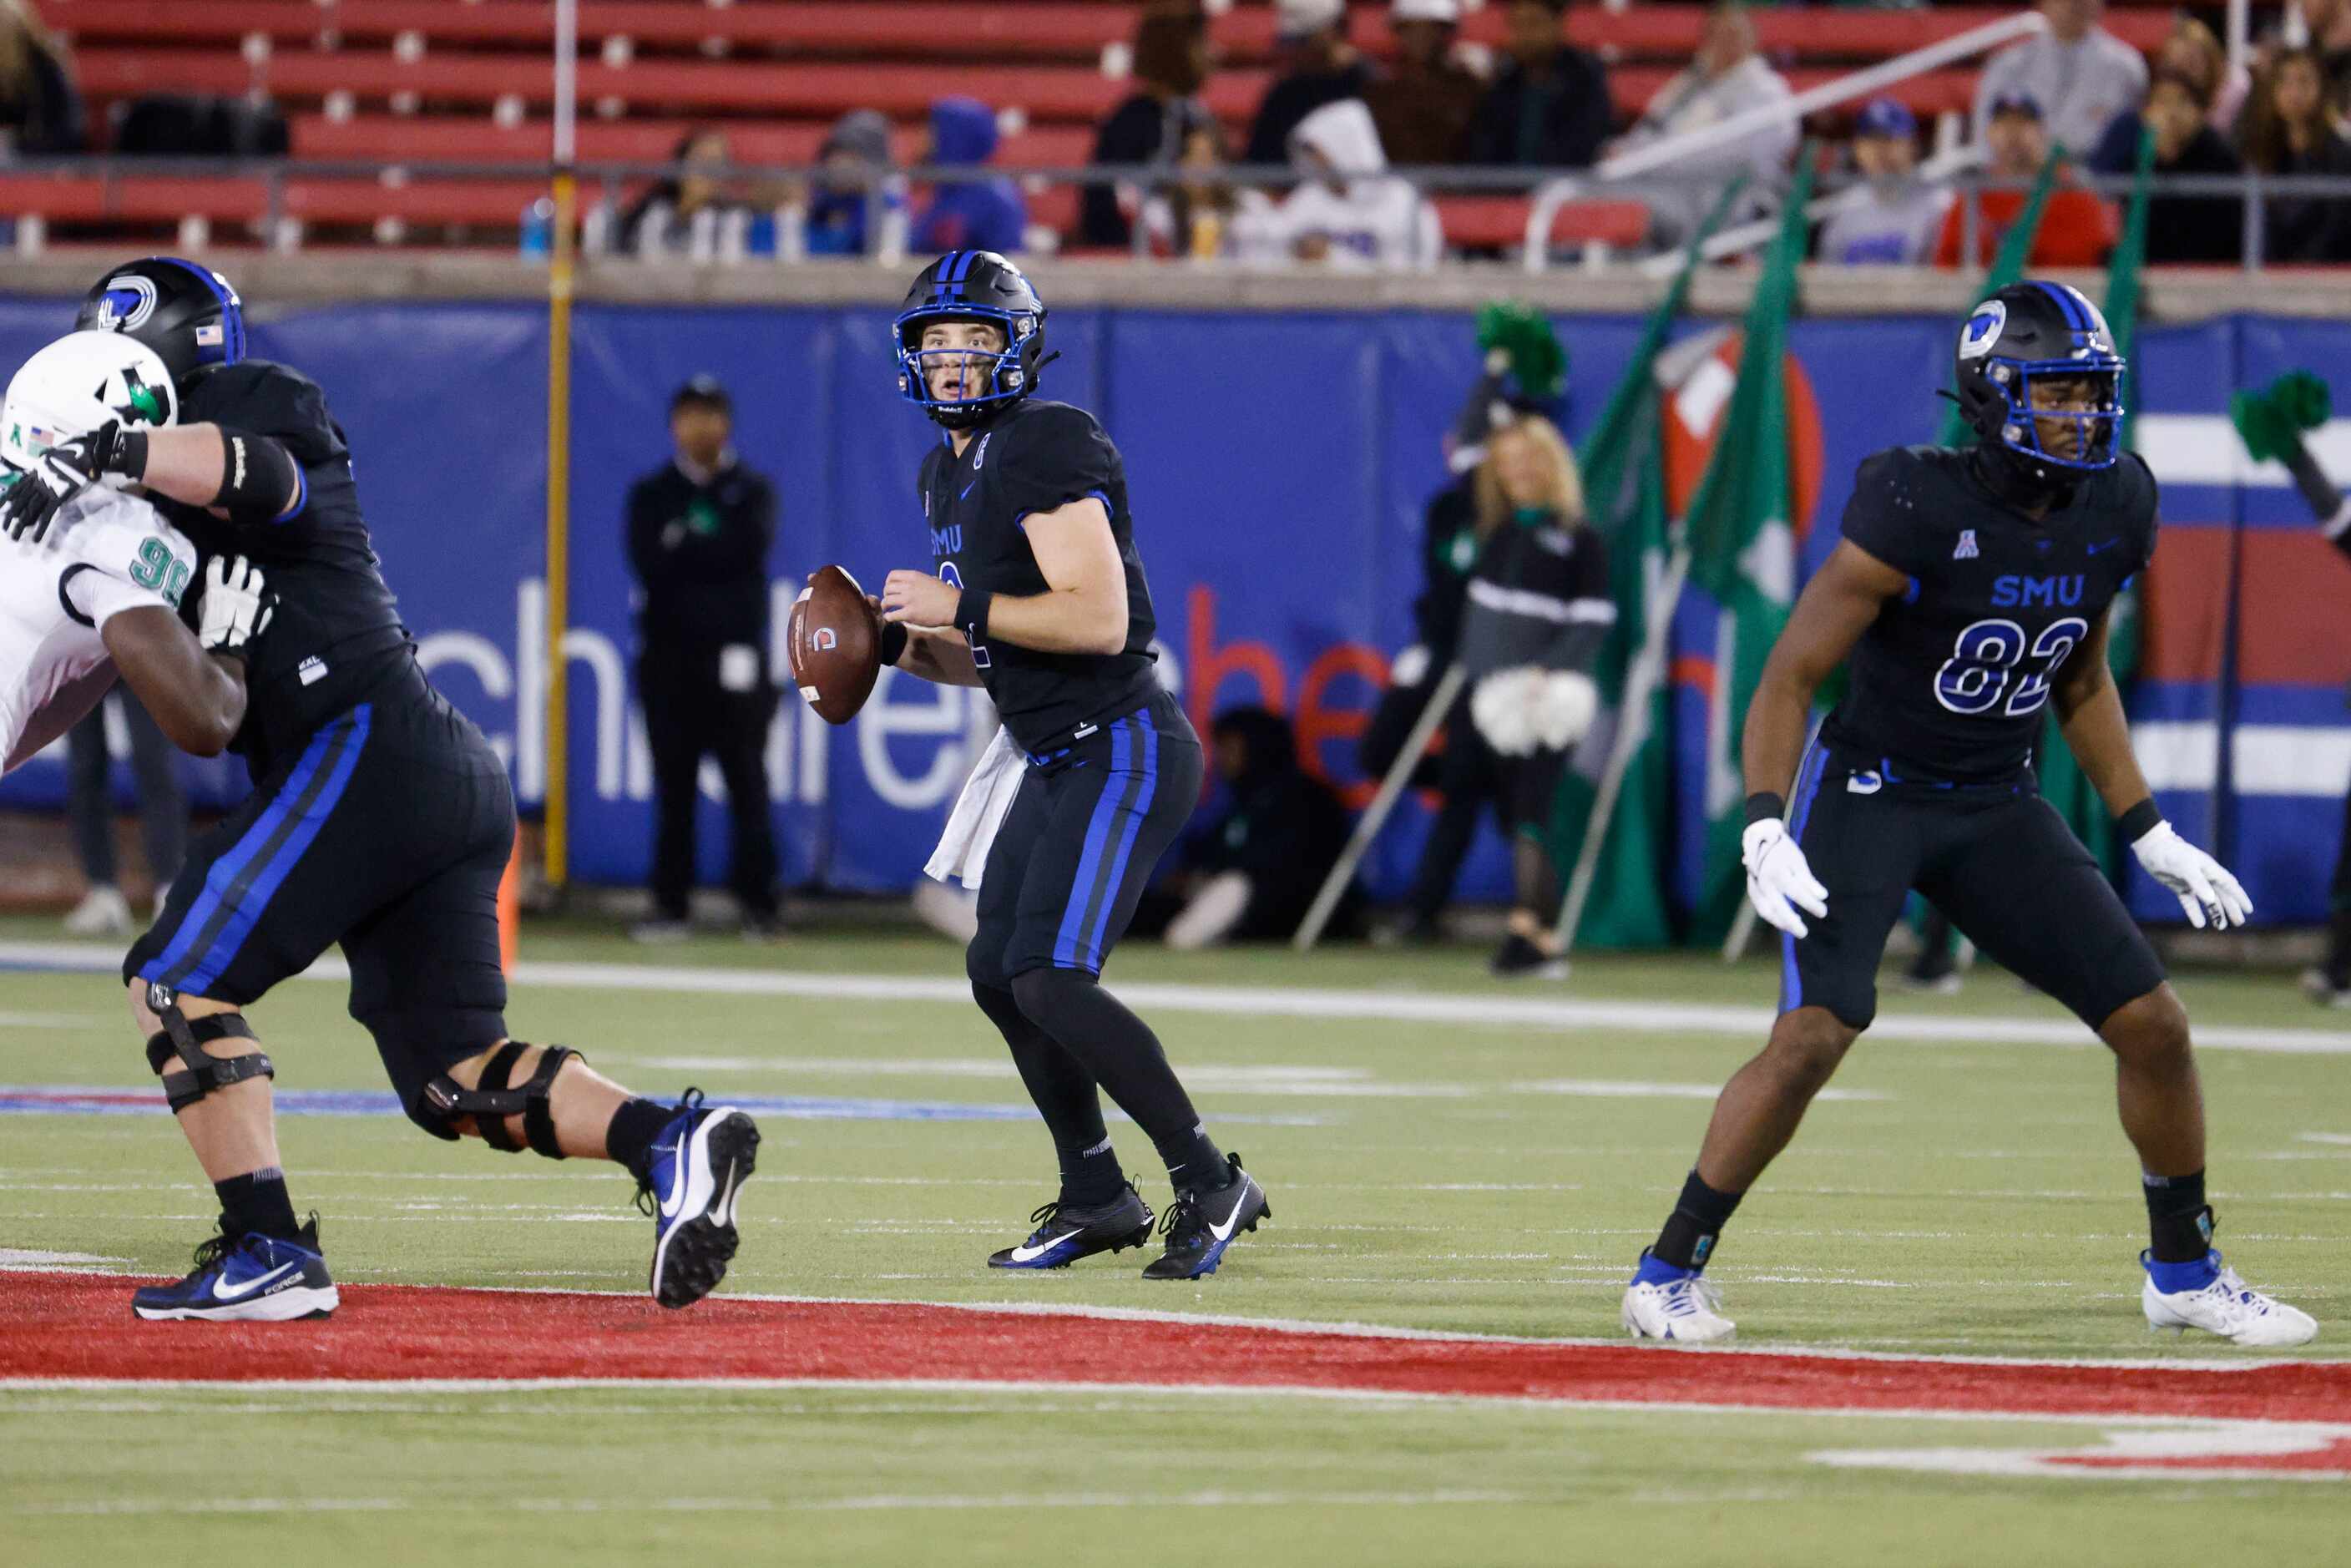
972 286
187 312
2038 332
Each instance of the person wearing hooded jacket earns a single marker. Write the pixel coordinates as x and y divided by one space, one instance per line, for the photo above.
977 214
1349 210
1251 872
1538 612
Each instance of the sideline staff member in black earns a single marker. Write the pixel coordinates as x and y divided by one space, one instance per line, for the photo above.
700 527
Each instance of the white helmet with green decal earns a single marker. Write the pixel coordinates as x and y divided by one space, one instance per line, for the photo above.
77 383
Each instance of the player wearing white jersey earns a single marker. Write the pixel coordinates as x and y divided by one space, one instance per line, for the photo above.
97 593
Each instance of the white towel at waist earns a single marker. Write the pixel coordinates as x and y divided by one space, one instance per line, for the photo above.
979 812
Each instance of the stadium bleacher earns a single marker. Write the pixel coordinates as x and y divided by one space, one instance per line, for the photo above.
451 82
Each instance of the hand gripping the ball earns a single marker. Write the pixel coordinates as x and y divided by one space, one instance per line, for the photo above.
1780 881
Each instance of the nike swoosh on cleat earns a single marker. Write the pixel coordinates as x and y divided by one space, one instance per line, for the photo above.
1225 1232
1024 1253
224 1291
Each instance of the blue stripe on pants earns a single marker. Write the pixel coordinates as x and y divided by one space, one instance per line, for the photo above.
230 866
1791 988
256 899
1073 914
1128 833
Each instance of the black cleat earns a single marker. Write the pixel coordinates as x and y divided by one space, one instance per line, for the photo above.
1066 1232
1201 1225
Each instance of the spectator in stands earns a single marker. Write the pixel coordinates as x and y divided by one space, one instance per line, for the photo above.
2081 75
2288 130
1205 217
2077 229
40 110
2191 50
1728 78
978 214
694 214
1318 66
699 529
2208 229
2326 25
1548 104
1896 216
1251 872
1348 212
1171 62
89 803
858 200
1423 108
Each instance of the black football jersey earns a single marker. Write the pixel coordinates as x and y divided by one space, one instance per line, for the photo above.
1950 682
335 630
1034 457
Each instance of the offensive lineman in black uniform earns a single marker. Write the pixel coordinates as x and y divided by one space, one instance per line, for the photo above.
1038 595
380 819
1971 586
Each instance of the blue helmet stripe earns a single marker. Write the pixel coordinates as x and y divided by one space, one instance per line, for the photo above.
232 314
2076 318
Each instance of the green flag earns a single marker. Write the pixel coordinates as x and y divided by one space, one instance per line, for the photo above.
1742 550
2063 782
2008 265
1625 498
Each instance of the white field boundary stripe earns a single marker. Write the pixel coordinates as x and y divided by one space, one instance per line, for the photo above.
480 1385
1272 1001
892 1502
1348 1329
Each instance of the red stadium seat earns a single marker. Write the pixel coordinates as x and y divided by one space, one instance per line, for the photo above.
471 139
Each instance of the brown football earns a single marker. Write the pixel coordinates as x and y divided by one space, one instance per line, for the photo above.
834 639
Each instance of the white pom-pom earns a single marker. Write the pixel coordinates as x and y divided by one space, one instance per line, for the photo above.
1503 707
1566 702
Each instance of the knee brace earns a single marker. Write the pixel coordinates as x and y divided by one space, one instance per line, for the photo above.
491 1102
183 1037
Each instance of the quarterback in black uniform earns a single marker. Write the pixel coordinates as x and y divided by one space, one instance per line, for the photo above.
380 820
1037 593
1970 588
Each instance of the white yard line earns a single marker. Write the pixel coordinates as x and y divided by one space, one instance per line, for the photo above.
1447 1007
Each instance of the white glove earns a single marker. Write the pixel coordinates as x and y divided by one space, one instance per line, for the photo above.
235 606
2206 890
1779 880
1502 706
1566 702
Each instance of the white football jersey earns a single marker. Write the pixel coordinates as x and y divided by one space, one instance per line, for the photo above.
105 552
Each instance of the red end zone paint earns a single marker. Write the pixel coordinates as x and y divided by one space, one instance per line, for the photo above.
79 1326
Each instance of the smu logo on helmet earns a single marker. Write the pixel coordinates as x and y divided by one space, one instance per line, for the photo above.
127 303
1983 329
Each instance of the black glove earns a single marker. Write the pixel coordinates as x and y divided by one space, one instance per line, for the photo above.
65 471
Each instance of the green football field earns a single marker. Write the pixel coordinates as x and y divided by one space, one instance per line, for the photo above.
1442 1154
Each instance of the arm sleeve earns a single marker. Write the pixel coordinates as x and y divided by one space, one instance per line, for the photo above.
1056 456
93 595
645 536
1883 517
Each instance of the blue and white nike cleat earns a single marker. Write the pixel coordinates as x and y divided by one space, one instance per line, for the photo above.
2210 1296
701 1160
1199 1226
254 1280
1066 1232
1675 1306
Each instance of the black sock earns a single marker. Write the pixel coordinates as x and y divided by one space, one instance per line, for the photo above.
1113 1048
1195 1165
629 1138
1699 1217
2178 1220
1064 1097
257 1204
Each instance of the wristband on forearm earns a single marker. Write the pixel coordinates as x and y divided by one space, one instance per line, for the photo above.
1764 806
129 457
893 642
971 613
2138 822
258 475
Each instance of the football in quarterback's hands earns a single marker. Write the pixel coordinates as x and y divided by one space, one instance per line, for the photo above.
834 642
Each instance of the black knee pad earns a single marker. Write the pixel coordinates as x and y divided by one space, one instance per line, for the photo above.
181 1040
491 1102
1046 996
